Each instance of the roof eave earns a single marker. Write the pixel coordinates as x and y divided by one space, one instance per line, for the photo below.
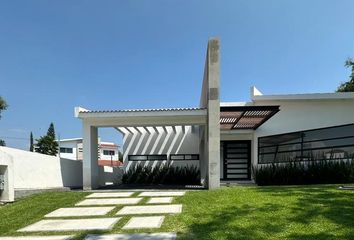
305 97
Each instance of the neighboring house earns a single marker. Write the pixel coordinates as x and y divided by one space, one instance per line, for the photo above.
107 155
226 139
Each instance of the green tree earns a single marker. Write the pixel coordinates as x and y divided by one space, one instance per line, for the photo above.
349 85
2 143
31 142
51 131
3 105
46 144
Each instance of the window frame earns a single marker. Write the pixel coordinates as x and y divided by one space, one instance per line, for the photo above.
194 157
66 150
302 143
110 151
149 157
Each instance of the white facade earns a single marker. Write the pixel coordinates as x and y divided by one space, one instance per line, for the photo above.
73 149
223 137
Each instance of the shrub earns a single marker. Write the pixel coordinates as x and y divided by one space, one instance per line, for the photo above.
297 173
163 174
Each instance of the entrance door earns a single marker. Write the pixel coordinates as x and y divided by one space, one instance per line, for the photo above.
237 160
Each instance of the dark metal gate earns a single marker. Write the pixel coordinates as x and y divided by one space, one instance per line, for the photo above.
237 160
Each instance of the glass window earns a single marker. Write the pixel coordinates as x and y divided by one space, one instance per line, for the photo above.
184 157
177 157
160 157
319 144
137 158
157 157
66 150
108 152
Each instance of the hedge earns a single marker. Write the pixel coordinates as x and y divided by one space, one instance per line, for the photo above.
297 173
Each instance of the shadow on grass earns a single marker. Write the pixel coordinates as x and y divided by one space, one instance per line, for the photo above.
82 235
312 202
222 225
284 213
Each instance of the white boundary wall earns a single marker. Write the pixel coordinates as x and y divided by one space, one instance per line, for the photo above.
38 171
7 194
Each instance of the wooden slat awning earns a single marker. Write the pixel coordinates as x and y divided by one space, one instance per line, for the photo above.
245 117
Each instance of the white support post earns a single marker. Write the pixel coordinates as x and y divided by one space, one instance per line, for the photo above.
90 161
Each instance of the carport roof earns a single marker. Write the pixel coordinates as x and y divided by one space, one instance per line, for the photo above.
140 110
231 117
143 117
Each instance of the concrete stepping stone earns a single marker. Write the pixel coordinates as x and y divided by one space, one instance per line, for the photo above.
137 236
63 237
160 200
150 209
71 225
110 194
80 211
161 194
109 201
144 222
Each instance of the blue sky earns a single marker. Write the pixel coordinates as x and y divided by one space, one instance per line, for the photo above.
55 55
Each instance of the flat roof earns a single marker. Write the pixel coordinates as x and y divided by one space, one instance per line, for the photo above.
82 110
258 96
143 117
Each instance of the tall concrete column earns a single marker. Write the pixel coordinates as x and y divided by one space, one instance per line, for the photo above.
213 142
90 153
210 100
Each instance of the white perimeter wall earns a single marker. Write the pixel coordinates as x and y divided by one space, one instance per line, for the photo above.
160 140
38 171
304 115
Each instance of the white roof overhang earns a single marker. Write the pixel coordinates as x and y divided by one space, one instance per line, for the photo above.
143 117
305 97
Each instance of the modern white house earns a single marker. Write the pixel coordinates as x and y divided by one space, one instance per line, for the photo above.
226 139
72 148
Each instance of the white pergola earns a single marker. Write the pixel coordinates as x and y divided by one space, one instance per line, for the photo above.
92 120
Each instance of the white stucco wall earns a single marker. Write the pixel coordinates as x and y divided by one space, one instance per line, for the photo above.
6 169
38 171
298 115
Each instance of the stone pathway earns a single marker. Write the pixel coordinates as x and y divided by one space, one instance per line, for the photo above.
144 222
64 237
154 200
154 209
110 194
80 212
109 201
102 203
161 194
71 225
139 236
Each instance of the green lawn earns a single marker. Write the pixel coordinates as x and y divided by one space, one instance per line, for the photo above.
313 212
